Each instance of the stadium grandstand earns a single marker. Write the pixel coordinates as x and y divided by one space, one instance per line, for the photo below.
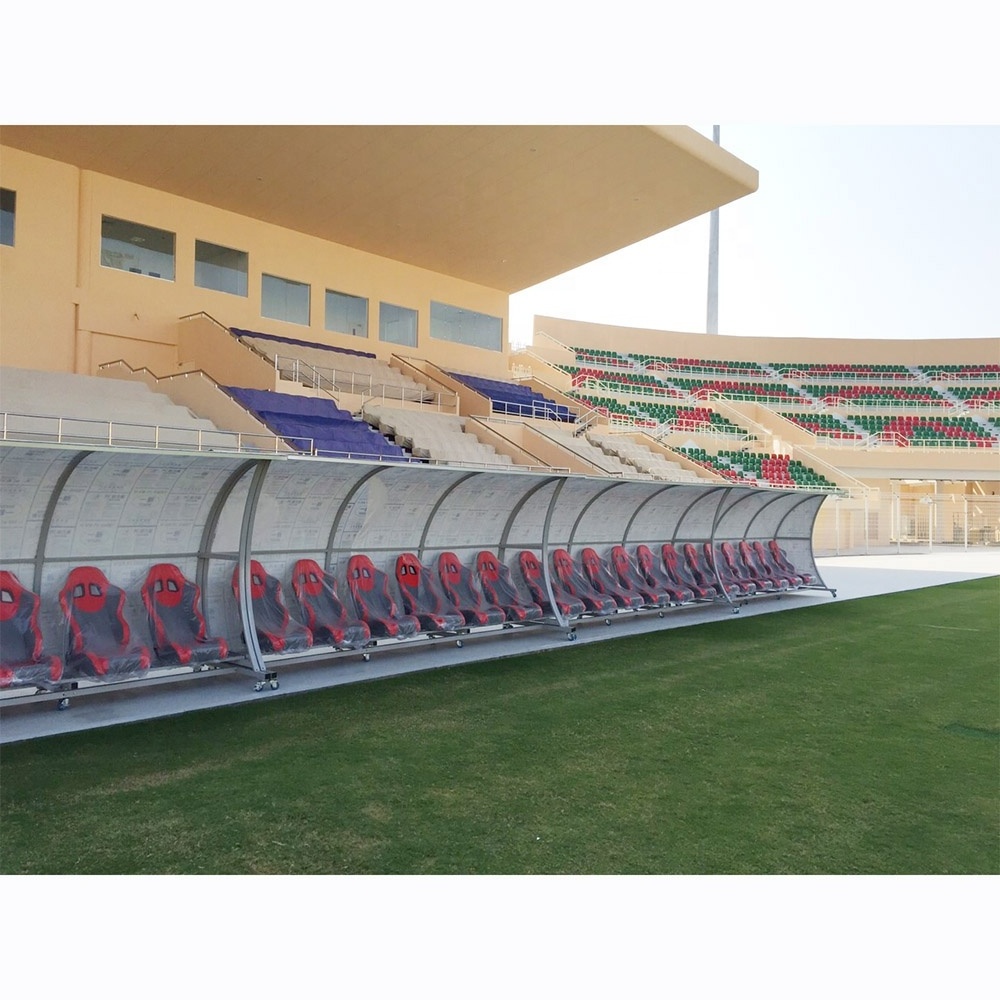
260 410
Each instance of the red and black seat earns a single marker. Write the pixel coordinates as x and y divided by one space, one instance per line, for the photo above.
657 577
460 588
277 630
498 587
742 572
606 582
717 563
758 570
173 605
703 571
568 579
765 559
423 598
374 604
534 579
630 577
23 659
782 561
676 568
323 610
100 639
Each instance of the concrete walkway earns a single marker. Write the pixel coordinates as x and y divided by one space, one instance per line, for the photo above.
852 577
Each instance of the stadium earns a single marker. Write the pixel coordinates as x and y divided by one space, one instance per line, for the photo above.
264 434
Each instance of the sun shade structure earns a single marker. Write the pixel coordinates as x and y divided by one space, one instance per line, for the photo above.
505 206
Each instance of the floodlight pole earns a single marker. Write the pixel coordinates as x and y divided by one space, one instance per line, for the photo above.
712 319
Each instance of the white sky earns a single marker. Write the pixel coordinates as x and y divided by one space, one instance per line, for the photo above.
854 231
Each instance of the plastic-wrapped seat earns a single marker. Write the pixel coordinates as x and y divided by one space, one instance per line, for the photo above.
758 571
606 582
782 561
498 587
173 605
765 559
742 572
375 606
24 661
422 597
703 572
570 580
533 576
277 630
630 577
323 610
676 567
100 639
460 588
653 571
717 563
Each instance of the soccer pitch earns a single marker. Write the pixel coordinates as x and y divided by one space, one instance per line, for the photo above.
851 737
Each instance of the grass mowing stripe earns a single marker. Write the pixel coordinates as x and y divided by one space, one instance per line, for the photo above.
815 740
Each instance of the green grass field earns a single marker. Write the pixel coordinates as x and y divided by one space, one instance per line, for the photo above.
846 737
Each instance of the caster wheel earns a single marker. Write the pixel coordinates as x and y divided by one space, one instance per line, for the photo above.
607 621
459 643
659 614
571 636
274 685
366 657
258 686
62 704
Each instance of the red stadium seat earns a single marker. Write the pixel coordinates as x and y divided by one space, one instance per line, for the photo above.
781 560
568 579
657 577
460 588
678 570
717 562
173 605
423 598
277 630
498 587
630 577
323 610
100 640
23 659
765 559
369 590
606 582
534 580
703 571
741 572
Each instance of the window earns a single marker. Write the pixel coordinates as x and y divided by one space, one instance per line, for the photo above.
8 200
346 314
281 298
129 246
397 325
220 268
463 326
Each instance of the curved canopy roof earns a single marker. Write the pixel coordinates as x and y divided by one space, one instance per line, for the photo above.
505 206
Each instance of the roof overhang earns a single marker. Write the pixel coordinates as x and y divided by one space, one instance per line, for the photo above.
505 206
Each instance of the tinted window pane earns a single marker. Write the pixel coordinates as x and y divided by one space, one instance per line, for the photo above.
463 326
8 202
346 314
220 268
130 246
281 298
397 325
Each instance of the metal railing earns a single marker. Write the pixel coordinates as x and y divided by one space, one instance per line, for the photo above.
53 429
339 380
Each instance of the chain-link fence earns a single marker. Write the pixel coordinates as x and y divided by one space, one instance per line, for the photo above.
861 524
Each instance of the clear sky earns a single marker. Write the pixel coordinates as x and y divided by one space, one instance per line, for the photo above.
855 231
